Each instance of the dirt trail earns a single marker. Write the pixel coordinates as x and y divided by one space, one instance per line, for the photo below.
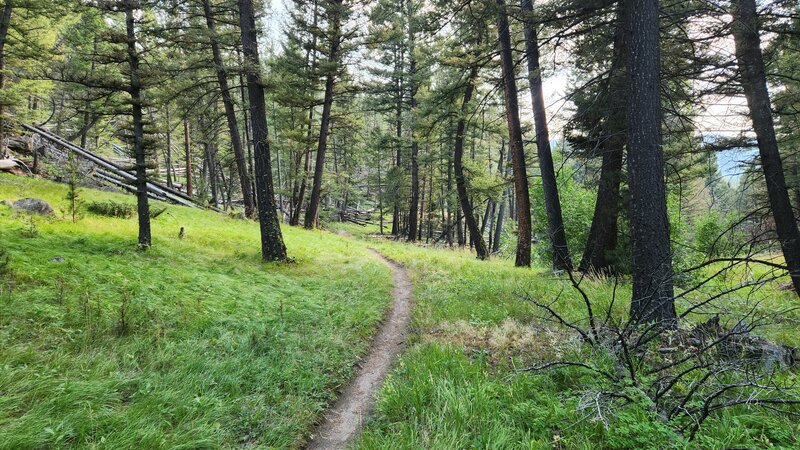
343 423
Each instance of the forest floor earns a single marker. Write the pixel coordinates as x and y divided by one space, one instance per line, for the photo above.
196 343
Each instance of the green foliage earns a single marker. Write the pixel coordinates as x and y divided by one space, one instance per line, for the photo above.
73 192
458 385
577 208
195 343
714 235
111 208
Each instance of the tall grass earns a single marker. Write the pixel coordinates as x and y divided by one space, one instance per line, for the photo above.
459 386
194 343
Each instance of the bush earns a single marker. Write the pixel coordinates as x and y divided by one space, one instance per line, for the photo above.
111 208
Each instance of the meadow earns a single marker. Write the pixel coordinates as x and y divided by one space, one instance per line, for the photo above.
194 343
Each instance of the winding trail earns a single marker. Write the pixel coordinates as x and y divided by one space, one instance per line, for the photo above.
343 423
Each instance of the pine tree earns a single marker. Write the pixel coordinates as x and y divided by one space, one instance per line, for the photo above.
272 246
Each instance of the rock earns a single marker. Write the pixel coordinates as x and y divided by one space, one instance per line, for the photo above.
33 206
8 164
5 203
57 259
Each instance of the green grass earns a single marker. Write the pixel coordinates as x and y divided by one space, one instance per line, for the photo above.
196 343
458 387
216 349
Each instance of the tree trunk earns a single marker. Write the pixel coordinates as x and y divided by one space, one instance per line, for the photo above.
301 192
552 203
187 144
168 155
458 156
651 259
230 113
523 202
601 243
212 173
754 81
311 64
412 73
5 23
272 246
498 231
143 207
330 82
380 196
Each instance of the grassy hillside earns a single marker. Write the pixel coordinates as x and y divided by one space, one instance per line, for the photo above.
194 343
458 385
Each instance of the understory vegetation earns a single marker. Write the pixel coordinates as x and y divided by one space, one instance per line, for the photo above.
192 344
463 382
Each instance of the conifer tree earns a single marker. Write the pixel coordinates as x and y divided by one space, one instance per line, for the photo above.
272 246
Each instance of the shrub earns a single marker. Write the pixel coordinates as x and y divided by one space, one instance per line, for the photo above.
111 208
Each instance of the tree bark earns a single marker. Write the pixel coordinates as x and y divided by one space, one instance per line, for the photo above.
523 203
552 203
272 246
330 82
135 91
5 23
598 254
498 231
187 145
168 154
754 81
653 299
458 156
230 113
412 73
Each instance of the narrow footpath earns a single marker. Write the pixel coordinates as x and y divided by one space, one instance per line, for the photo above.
343 423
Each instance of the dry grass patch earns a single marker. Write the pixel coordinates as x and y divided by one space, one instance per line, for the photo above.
506 342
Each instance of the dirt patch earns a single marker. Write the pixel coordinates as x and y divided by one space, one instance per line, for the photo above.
345 420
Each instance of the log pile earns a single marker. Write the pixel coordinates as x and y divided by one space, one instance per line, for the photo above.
359 217
91 165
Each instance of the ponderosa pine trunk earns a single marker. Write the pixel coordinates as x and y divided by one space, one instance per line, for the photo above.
458 168
398 160
412 73
168 153
601 243
302 182
523 202
651 265
754 81
414 205
230 113
135 91
552 203
324 129
5 24
501 213
272 246
187 147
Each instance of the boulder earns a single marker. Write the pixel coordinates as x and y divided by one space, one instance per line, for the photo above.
7 165
33 206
